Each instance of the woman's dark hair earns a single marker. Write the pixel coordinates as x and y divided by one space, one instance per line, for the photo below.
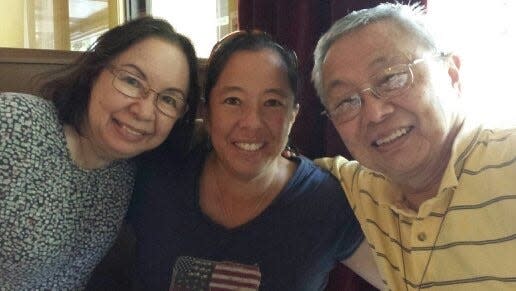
252 40
70 91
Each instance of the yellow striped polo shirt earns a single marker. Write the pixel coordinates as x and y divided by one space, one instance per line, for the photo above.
462 239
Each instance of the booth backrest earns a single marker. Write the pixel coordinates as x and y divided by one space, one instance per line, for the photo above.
18 67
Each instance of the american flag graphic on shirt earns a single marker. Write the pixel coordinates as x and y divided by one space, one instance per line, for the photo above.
193 274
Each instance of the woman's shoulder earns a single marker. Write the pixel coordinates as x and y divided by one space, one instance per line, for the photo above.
17 107
28 121
311 179
14 98
309 169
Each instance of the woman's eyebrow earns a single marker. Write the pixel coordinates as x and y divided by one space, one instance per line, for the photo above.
231 88
135 68
278 91
173 89
144 77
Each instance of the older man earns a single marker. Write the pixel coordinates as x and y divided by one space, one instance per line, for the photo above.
435 193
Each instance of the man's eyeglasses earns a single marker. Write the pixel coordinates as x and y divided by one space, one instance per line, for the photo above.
388 83
171 103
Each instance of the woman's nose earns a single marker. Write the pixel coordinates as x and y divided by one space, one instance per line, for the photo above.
145 107
251 116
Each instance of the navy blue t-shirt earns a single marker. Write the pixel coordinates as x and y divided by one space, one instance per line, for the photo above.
295 242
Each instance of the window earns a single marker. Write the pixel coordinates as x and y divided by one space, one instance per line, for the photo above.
484 34
76 24
62 25
203 21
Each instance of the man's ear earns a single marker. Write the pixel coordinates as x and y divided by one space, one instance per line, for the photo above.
454 65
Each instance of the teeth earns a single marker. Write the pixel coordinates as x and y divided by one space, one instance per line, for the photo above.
249 146
132 131
398 133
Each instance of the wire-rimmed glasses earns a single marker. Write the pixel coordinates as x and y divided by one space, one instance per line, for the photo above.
388 83
171 103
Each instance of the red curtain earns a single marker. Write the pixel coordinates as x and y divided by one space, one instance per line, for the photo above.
298 24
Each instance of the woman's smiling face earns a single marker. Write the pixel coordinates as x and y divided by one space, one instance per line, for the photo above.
250 112
120 127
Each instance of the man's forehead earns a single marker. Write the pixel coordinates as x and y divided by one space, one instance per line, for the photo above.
373 45
385 31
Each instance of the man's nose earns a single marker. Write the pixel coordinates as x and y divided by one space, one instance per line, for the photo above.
374 108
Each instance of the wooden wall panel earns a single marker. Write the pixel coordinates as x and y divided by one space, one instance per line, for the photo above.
19 66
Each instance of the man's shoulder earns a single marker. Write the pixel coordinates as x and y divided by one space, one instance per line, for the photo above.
499 132
340 167
489 152
498 140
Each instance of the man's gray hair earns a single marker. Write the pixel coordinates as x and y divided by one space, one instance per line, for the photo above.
410 17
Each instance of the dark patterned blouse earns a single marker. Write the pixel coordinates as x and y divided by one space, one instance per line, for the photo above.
56 219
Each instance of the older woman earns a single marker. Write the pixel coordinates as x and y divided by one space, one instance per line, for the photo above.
237 214
66 173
